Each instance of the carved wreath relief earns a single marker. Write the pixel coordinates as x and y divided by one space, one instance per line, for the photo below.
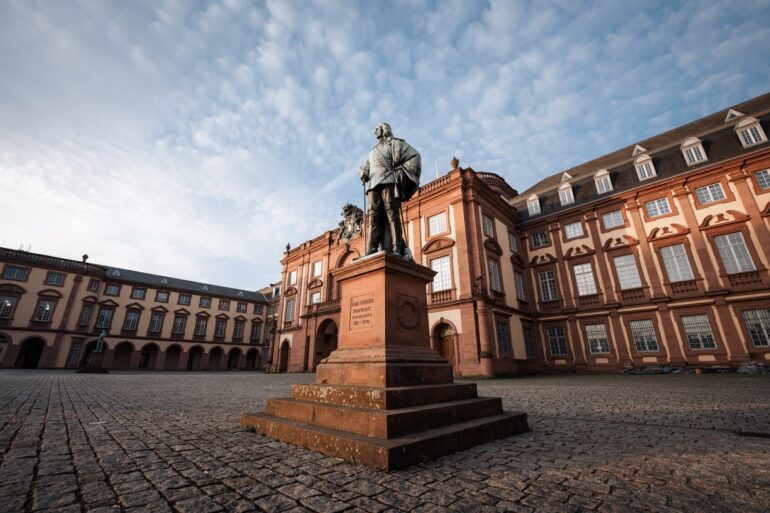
407 312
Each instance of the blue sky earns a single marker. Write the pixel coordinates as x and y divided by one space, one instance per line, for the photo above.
196 139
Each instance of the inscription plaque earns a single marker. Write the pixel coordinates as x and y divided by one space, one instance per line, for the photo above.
361 311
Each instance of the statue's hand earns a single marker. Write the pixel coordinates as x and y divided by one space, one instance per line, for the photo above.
364 176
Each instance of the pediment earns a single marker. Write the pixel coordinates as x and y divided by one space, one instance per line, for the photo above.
110 302
315 283
638 150
87 299
733 114
203 314
257 320
543 259
578 251
668 231
50 293
493 246
438 244
13 289
619 242
182 311
159 309
222 316
725 218
291 291
135 306
516 260
240 318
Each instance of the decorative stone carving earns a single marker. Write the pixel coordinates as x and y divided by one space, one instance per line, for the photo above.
579 251
668 231
731 216
438 244
543 259
619 242
352 223
407 312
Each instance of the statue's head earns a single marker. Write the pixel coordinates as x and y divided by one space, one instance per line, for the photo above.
383 130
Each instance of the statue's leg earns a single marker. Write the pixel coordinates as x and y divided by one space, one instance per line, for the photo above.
392 209
374 214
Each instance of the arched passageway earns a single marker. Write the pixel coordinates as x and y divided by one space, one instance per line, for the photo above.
172 357
148 356
283 359
233 358
194 358
122 357
215 358
30 353
325 340
252 357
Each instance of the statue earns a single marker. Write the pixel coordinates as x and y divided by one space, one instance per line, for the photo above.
100 342
352 223
391 175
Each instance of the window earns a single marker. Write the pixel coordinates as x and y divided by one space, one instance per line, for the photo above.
201 323
612 219
220 327
628 274
557 341
644 337
44 310
539 239
513 243
238 330
710 193
315 298
85 315
437 224
292 278
156 322
657 207
489 226
503 337
241 307
7 306
521 291
112 289
529 342
317 268
11 272
644 168
258 309
93 285
289 310
565 195
693 151
138 293
104 318
750 132
573 230
205 302
533 205
224 304
602 181
161 296
55 279
763 178
185 299
547 282
584 277
697 329
255 329
72 357
598 343
180 321
443 279
758 325
131 322
494 276
735 256
677 264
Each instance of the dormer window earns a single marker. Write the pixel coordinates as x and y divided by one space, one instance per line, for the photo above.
750 132
565 194
533 205
645 169
602 181
693 151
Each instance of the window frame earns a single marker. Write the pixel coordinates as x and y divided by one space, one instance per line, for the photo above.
746 124
492 234
105 308
696 146
109 285
158 296
131 312
439 233
495 263
17 268
748 245
533 206
162 316
543 245
450 273
687 257
602 176
93 285
565 235
204 302
224 305
53 300
135 293
653 327
51 274
592 323
12 312
541 295
548 342
566 194
503 322
608 210
752 346
640 164
614 267
184 299
576 282
685 336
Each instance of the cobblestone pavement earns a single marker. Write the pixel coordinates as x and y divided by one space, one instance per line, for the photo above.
171 442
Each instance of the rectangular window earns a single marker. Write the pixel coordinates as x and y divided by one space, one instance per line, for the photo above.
644 337
55 279
224 304
710 193
104 319
603 184
533 207
494 276
241 307
573 230
180 321
489 226
751 136
763 178
557 341
258 309
161 296
584 278
138 293
7 305
292 278
548 289
44 310
657 207
443 278
112 289
156 322
694 155
758 325
220 328
85 315
11 272
612 219
598 343
289 310
513 243
566 197
503 338
315 298
697 329
205 302
645 171
200 326
131 322
185 299
437 224
735 256
255 329
72 357
677 264
539 239
93 285
628 274
317 268
521 291
238 330
529 342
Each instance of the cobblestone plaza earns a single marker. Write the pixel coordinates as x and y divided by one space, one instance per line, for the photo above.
171 442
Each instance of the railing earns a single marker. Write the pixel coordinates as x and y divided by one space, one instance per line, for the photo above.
435 184
442 296
684 287
632 294
748 278
323 308
497 296
592 300
46 261
550 306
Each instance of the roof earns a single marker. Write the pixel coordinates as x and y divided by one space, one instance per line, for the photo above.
652 144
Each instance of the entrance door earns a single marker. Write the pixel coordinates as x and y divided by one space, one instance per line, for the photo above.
283 362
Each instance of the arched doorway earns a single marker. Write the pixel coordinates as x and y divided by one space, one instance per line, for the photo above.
252 357
233 358
30 353
445 336
325 340
194 357
215 358
122 357
148 356
283 359
172 357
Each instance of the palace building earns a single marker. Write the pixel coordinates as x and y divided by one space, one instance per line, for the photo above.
53 309
656 254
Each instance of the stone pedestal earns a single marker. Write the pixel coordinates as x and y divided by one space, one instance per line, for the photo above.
94 364
384 398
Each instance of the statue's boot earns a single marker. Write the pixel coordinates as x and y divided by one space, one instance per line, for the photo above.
394 221
375 233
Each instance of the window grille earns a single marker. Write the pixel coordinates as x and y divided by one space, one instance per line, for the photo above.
697 329
644 337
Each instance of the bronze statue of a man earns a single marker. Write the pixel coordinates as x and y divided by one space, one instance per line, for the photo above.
391 175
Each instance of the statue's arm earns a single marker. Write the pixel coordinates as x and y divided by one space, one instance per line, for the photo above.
363 172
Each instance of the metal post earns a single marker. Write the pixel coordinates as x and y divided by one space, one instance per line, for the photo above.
366 246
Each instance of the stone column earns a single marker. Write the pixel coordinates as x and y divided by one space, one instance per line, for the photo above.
487 352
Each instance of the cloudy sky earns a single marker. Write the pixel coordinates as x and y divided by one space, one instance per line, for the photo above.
195 139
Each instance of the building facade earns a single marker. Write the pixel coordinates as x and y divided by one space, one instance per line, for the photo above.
653 255
53 309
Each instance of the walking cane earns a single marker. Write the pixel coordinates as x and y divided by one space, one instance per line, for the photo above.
366 246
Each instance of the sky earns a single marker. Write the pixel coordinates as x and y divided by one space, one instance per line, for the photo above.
195 139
